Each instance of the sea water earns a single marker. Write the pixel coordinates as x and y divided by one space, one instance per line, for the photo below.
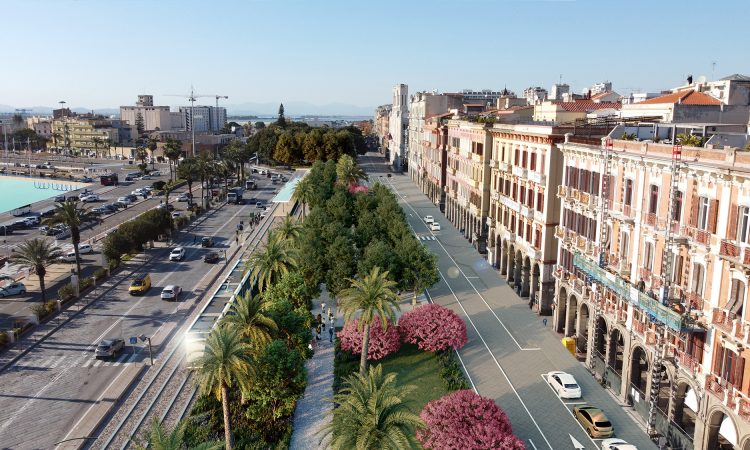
16 191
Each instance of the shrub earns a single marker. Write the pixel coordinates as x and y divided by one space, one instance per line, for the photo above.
85 283
100 274
4 339
450 371
159 185
433 328
381 344
43 310
66 292
465 420
116 245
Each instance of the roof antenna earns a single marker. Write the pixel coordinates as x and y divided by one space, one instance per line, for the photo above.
713 71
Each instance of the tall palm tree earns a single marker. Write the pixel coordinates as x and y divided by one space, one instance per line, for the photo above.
55 137
303 193
141 153
172 151
108 145
225 364
188 171
246 316
97 141
74 215
206 169
152 145
159 438
289 230
37 254
369 297
348 172
270 264
372 415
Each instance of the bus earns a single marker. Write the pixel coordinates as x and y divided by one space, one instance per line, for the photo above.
250 185
235 196
109 180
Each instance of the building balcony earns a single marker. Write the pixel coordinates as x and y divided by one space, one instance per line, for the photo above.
696 234
723 319
477 158
562 192
509 202
650 219
520 172
735 252
688 363
560 273
537 177
717 386
495 196
587 200
504 166
639 327
645 274
573 194
580 288
451 171
693 300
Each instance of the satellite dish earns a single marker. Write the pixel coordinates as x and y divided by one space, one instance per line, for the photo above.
701 79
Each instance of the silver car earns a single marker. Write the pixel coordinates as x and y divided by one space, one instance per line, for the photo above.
108 348
13 289
170 292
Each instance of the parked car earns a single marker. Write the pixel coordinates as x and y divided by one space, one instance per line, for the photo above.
593 420
124 201
207 242
211 257
155 173
176 214
171 292
258 204
85 248
31 220
428 219
13 289
112 207
182 197
564 384
434 226
60 199
87 180
146 177
133 198
617 444
140 285
99 210
177 254
167 206
44 229
90 198
108 348
138 192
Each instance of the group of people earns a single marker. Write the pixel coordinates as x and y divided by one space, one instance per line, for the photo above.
320 323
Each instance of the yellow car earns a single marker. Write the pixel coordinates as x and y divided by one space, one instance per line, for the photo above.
140 285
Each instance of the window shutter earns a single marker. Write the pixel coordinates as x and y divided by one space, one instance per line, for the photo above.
732 231
694 202
713 209
739 367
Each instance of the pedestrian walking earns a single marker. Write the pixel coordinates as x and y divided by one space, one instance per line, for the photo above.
331 322
317 333
321 322
544 321
323 307
330 334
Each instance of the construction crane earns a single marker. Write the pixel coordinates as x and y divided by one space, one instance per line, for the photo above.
22 110
191 98
220 96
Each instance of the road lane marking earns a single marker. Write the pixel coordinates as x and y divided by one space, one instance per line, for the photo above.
470 283
572 413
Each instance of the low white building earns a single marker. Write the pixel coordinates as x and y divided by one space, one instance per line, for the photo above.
398 127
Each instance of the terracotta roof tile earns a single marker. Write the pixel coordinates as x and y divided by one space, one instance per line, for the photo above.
586 105
688 97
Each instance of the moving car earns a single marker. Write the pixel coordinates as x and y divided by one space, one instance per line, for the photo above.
44 229
167 206
564 384
124 201
170 292
434 226
155 173
177 254
428 219
85 248
211 257
108 348
146 177
617 444
13 289
90 198
207 241
593 420
182 197
258 204
140 285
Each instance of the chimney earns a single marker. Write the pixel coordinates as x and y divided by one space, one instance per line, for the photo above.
689 79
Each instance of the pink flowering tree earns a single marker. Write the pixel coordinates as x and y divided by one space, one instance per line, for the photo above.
381 344
465 420
433 328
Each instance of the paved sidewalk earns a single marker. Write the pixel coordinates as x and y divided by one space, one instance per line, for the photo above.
313 412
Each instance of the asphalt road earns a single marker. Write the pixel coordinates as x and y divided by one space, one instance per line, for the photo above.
509 348
46 392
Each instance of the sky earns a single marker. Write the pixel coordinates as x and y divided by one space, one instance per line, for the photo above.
103 53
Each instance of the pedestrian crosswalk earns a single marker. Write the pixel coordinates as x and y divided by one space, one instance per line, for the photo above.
72 361
426 238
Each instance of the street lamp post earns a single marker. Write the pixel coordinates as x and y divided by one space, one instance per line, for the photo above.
144 338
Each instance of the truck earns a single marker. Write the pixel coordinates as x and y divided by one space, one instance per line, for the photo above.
234 196
250 185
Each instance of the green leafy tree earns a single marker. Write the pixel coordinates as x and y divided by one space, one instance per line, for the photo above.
281 121
140 127
368 297
419 265
340 256
312 146
286 150
115 245
189 171
73 215
97 141
36 255
246 316
689 140
152 145
259 125
290 287
294 323
378 254
348 172
224 365
279 379
141 153
272 262
372 415
159 438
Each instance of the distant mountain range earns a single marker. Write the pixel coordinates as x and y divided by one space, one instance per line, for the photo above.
249 108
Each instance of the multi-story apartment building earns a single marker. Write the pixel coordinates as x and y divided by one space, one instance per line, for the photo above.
468 179
397 127
652 282
204 119
154 117
435 158
524 174
382 121
84 132
42 126
421 106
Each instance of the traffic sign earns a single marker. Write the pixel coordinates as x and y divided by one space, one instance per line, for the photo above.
133 340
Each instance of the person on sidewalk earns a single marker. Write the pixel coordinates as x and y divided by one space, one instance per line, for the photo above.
317 333
323 307
330 334
319 321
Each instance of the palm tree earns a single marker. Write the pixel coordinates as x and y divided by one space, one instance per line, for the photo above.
348 172
141 153
172 151
289 230
224 365
689 140
188 171
270 264
246 316
97 141
303 193
373 295
205 167
108 145
36 254
161 439
73 215
372 415
153 144
55 137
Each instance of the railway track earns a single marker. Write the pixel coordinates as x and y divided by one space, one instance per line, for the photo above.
165 394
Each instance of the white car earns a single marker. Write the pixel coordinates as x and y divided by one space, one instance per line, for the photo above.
564 384
155 173
138 192
176 214
170 292
177 254
146 177
85 248
124 201
428 219
617 444
182 197
90 198
31 221
434 226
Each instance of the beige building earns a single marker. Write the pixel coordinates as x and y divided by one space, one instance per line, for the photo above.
652 282
468 179
82 133
154 117
561 112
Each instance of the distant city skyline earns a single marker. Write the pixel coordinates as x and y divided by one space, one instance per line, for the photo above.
102 55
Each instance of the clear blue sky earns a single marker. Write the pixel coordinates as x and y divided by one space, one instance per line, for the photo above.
102 53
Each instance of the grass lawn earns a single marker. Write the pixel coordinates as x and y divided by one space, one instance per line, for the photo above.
411 366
